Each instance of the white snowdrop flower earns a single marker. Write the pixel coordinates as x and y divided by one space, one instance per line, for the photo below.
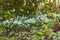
6 21
11 19
19 22
23 24
45 14
38 17
27 11
46 20
55 15
3 22
15 21
13 10
28 20
42 18
28 25
43 4
33 4
25 17
33 20
16 17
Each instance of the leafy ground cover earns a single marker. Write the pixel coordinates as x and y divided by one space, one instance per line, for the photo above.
29 20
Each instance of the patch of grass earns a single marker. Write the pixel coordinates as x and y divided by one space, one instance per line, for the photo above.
6 38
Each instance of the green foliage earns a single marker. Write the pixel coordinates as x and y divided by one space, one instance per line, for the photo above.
5 38
28 19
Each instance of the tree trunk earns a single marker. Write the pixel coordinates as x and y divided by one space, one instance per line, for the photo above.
58 4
